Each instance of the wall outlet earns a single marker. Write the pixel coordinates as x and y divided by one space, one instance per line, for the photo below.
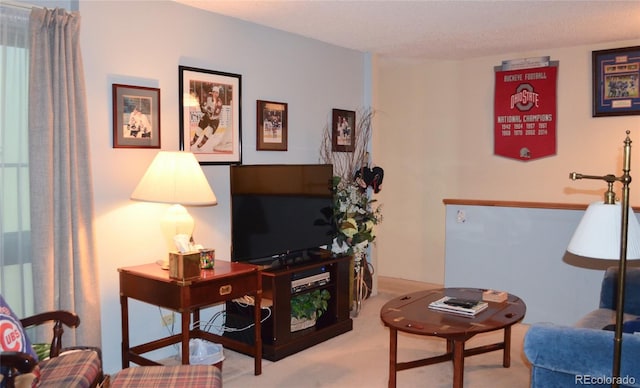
168 319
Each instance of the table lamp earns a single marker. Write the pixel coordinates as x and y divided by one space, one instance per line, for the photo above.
606 231
175 177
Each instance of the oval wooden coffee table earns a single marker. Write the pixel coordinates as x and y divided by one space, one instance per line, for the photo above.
410 313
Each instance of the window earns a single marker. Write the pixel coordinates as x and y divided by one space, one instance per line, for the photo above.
15 263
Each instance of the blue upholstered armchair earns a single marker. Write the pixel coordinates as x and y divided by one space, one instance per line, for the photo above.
582 355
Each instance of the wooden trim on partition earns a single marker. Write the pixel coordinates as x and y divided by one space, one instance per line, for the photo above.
523 204
534 205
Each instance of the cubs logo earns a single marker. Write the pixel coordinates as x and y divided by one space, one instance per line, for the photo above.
11 337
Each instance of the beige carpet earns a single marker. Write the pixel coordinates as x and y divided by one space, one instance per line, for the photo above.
360 357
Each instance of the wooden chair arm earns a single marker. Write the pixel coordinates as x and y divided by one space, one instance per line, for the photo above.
22 362
59 317
68 318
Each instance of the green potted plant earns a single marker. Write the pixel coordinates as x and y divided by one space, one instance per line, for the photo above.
307 307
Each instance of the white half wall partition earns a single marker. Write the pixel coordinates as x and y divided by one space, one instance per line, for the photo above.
520 247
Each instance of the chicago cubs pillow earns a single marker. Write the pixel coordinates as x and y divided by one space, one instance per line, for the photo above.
13 338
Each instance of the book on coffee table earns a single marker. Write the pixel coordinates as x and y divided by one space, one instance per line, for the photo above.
450 304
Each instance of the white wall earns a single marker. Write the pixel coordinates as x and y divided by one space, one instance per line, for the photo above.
435 141
416 142
142 43
524 251
433 134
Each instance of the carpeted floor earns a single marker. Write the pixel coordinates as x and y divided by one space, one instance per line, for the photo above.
360 357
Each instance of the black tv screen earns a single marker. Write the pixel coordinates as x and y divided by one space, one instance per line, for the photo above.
279 210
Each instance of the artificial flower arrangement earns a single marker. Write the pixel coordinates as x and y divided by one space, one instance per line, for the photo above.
355 213
355 216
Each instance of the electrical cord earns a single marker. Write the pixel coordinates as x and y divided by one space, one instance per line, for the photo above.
170 328
210 325
235 329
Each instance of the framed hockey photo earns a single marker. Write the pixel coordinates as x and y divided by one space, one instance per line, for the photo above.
136 116
343 131
616 78
271 126
210 115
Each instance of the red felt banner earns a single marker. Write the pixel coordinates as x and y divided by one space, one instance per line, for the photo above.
525 113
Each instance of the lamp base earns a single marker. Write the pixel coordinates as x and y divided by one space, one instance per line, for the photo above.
176 220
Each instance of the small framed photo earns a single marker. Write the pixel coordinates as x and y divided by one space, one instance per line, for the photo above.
343 131
271 126
136 117
210 115
616 78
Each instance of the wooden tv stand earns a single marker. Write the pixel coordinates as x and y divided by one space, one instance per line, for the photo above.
278 341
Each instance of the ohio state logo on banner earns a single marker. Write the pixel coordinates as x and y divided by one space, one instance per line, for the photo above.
525 113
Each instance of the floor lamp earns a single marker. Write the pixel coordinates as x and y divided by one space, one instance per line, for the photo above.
607 232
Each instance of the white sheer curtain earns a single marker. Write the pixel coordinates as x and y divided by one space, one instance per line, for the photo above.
15 258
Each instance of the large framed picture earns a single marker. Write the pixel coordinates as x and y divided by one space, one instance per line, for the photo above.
136 116
616 74
271 126
210 115
343 131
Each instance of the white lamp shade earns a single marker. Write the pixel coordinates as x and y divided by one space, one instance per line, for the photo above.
175 178
598 233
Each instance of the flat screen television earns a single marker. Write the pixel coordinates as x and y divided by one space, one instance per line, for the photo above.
280 212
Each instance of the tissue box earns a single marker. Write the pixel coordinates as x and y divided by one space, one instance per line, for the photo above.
184 266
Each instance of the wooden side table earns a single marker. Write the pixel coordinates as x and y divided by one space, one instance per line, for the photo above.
151 284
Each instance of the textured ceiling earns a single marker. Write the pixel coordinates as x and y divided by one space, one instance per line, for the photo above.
442 29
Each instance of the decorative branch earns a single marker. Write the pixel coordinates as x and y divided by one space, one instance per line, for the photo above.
345 164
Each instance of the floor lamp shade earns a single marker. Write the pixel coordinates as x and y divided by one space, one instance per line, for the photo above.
609 230
598 233
175 178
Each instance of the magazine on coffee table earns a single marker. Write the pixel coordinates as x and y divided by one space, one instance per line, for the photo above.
450 304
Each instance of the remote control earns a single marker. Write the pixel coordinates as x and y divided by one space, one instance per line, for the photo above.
466 303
